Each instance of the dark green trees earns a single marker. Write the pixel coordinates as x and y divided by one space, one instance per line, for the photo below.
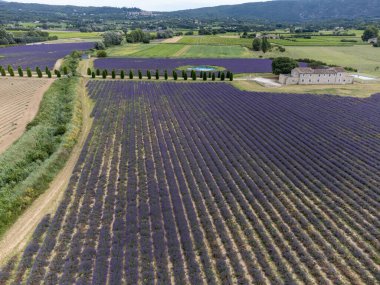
256 45
369 33
283 65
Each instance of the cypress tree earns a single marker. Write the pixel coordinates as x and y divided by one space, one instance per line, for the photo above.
3 73
131 74
157 74
201 74
185 77
49 74
228 74
58 74
213 77
175 75
46 69
39 72
219 74
11 72
104 74
183 73
209 75
89 71
122 74
20 72
9 67
93 75
194 76
166 75
231 77
28 72
140 74
113 74
222 77
98 72
204 76
148 74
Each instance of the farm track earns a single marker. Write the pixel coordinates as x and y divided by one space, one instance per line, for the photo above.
19 103
206 184
17 237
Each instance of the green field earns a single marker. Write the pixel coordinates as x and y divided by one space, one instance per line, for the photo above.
179 50
364 58
75 34
216 40
319 41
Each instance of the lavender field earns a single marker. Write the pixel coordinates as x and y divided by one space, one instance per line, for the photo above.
41 55
235 65
205 184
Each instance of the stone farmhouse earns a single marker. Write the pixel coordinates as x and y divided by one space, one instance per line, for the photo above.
310 76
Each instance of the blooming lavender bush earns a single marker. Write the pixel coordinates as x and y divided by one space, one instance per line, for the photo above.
184 183
39 55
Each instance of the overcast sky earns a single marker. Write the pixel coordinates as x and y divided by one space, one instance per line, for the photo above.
151 5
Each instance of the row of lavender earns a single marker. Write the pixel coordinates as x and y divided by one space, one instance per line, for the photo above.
203 183
235 65
39 55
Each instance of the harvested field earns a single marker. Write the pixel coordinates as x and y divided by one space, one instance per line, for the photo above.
19 102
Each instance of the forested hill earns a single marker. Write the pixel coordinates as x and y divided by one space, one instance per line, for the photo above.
12 11
290 10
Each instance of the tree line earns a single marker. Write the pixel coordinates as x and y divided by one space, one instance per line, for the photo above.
203 75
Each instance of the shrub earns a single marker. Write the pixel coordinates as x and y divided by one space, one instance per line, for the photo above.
104 74
101 53
175 75
93 75
223 76
166 74
122 74
113 74
213 77
58 74
98 72
89 71
49 74
185 76
231 76
157 74
65 70
148 74
140 74
204 76
131 74
228 74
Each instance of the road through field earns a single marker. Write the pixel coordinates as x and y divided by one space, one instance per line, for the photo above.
18 236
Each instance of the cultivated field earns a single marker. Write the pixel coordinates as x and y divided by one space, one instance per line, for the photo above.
180 50
19 103
205 184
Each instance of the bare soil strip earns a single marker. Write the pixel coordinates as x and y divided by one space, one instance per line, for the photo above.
18 236
172 40
16 93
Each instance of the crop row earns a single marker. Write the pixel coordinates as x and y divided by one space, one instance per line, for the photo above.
206 184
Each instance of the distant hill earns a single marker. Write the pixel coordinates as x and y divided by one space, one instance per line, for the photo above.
289 10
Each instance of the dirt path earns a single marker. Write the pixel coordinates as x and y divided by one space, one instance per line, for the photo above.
27 116
17 237
58 64
172 40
